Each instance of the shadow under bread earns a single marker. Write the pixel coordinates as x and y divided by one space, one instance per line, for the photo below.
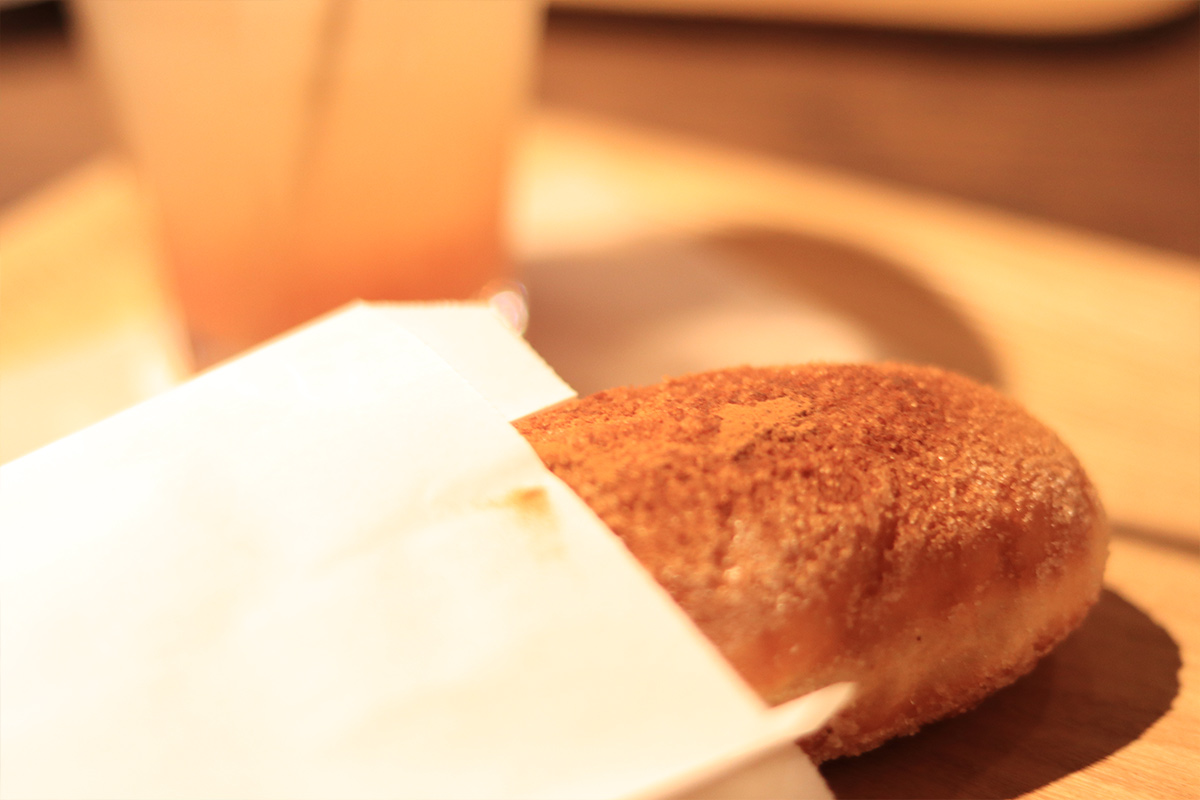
745 296
1092 695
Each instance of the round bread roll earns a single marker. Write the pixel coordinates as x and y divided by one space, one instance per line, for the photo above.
897 526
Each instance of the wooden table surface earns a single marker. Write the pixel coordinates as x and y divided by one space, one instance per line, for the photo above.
648 253
1095 132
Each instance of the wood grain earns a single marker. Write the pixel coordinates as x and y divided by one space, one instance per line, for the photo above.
1102 133
1031 17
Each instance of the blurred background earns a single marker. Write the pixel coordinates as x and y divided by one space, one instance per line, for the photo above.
1007 189
1099 130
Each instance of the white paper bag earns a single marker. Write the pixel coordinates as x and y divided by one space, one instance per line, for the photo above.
332 569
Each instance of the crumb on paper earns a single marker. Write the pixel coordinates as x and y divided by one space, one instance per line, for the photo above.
532 506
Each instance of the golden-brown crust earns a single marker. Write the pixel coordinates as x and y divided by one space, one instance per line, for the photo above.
899 526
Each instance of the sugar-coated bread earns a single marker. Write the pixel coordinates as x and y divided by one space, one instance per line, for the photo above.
897 526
